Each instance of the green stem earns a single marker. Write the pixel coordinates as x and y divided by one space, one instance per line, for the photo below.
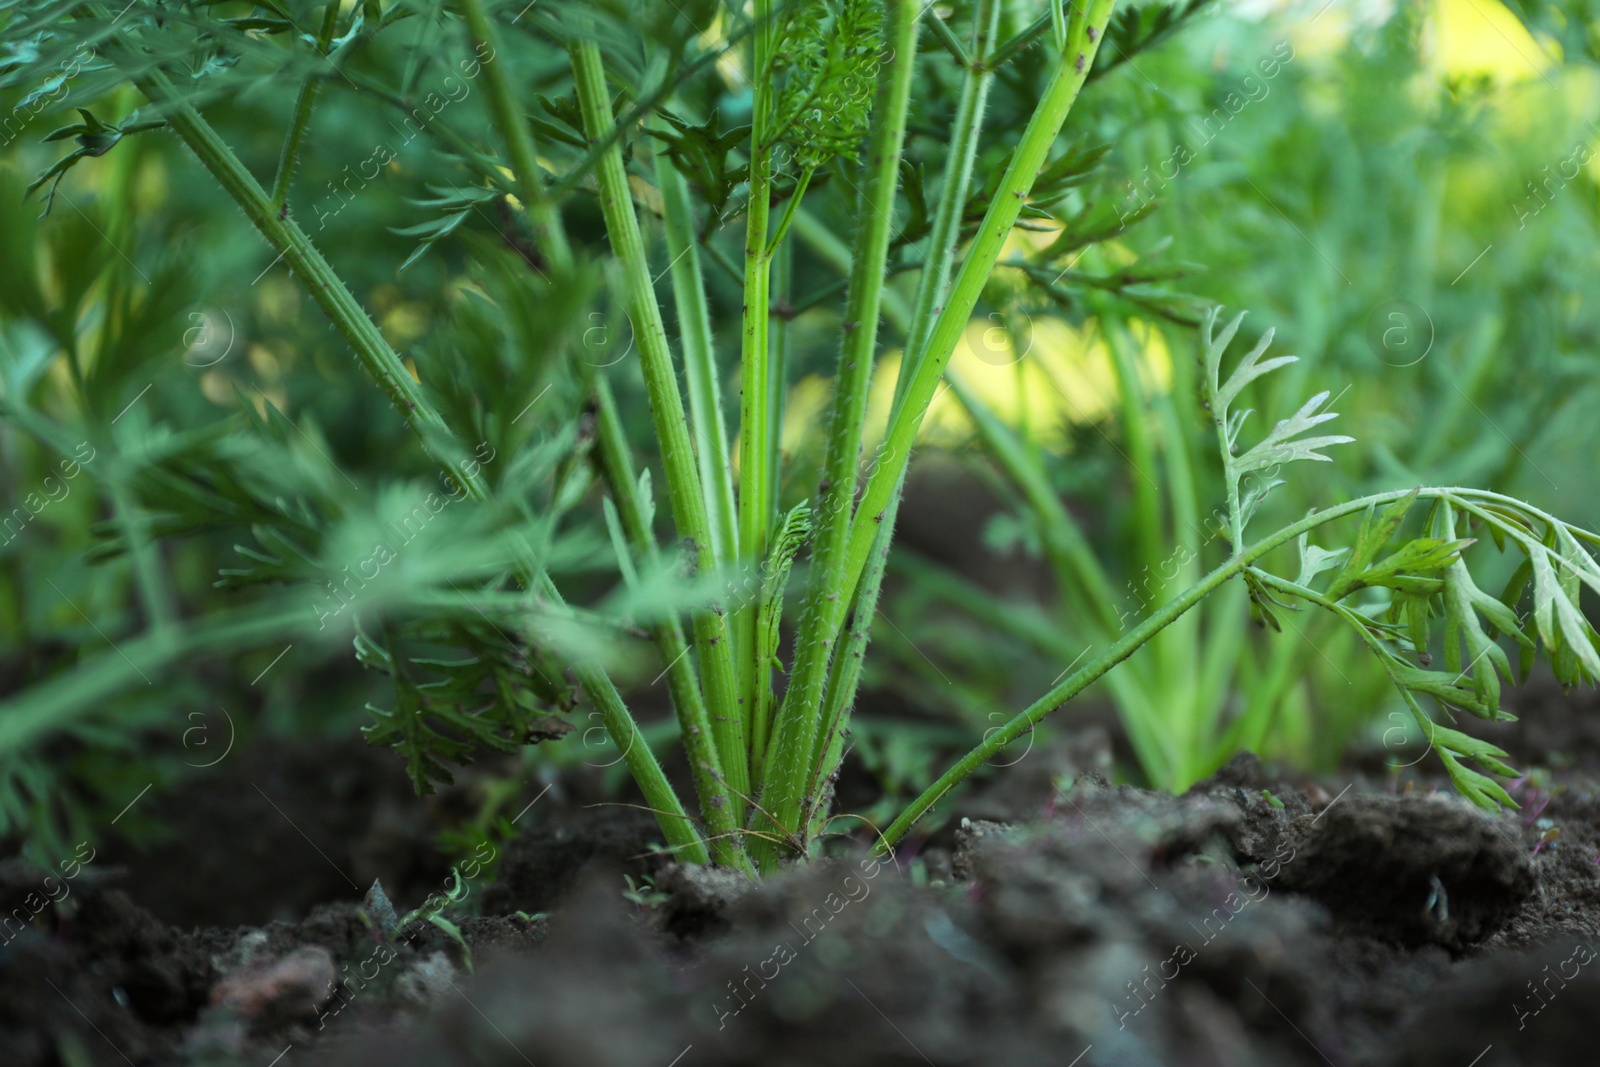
1084 41
946 230
1172 655
146 567
321 283
700 360
947 40
844 675
551 235
780 231
146 571
642 764
778 374
1079 576
508 119
831 250
1031 33
694 722
302 110
1202 692
766 648
1129 644
642 109
757 507
844 678
1147 515
671 424
790 759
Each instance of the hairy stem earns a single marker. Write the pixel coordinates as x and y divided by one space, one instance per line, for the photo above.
781 230
789 760
778 344
666 408
321 283
946 230
831 250
924 366
513 129
699 360
716 806
302 110
757 507
844 675
1059 96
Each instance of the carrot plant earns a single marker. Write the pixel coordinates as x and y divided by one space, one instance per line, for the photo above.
1175 705
596 140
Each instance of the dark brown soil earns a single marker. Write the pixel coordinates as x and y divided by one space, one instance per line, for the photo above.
1053 918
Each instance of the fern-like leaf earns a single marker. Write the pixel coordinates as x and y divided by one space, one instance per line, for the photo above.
1280 447
831 55
1284 444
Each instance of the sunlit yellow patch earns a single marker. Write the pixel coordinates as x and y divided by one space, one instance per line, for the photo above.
804 414
645 193
1042 373
505 172
405 322
217 387
730 65
279 301
61 380
264 363
1471 38
1323 33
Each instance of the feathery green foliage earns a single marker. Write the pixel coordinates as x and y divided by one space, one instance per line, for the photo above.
530 167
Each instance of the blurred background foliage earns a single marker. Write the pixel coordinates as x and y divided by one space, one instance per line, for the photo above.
1404 191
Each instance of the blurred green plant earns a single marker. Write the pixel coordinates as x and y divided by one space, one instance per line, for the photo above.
507 392
1397 189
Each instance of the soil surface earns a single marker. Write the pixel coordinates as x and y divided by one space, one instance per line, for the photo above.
1048 917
